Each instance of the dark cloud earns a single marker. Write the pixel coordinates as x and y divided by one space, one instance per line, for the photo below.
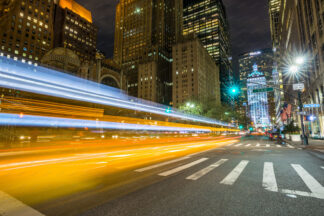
249 23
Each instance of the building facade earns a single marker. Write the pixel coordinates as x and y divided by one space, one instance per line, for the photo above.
73 29
29 29
274 13
258 102
194 73
145 31
301 33
26 29
208 20
264 59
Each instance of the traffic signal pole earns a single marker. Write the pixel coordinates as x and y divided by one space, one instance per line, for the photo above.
304 138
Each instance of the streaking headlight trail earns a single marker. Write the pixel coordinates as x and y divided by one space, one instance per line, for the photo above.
43 121
40 80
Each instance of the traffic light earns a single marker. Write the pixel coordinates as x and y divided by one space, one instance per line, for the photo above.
234 90
168 110
241 127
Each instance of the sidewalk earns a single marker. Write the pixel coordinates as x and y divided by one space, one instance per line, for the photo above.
314 146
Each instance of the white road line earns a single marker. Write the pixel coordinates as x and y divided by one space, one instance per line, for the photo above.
279 146
322 167
247 145
290 146
314 186
160 164
180 168
206 170
267 145
230 144
237 145
257 145
269 179
10 206
236 172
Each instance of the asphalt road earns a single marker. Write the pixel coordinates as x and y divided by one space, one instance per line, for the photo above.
253 176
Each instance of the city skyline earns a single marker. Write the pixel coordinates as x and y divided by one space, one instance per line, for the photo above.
256 35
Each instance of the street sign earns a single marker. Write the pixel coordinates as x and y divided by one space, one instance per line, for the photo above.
298 87
263 90
301 113
312 105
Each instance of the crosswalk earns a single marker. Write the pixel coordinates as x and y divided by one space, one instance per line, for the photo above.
269 181
258 145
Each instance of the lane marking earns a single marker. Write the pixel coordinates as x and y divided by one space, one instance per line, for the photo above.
269 179
237 145
257 145
206 170
279 146
161 164
290 146
267 145
230 144
247 145
10 206
322 167
235 173
180 168
314 186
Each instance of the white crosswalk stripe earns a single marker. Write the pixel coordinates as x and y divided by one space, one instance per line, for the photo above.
269 182
269 179
247 145
180 168
206 170
257 145
290 146
235 173
160 164
314 186
237 145
279 146
267 145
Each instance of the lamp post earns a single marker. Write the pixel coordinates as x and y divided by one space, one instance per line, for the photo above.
294 69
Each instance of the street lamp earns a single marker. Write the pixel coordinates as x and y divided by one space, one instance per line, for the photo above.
300 60
294 69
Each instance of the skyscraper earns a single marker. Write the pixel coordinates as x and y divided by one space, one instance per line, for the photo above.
264 59
26 29
207 18
144 34
73 29
29 29
257 102
194 73
274 12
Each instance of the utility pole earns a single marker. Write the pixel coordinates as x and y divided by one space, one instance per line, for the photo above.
304 137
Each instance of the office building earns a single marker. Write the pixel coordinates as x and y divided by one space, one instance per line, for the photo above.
73 29
301 34
144 34
208 20
264 59
194 73
274 13
26 29
258 102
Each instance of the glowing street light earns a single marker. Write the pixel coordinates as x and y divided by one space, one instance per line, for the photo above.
300 60
293 69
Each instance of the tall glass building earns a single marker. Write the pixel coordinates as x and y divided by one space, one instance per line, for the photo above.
207 19
258 102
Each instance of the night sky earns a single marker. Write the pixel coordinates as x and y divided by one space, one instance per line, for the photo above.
248 19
